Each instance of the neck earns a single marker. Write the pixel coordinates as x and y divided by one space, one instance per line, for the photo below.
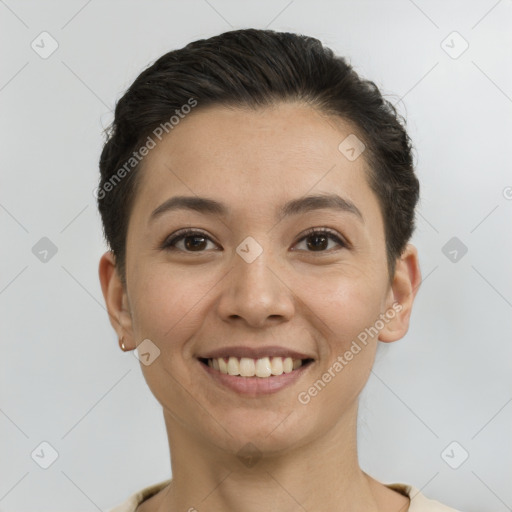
321 475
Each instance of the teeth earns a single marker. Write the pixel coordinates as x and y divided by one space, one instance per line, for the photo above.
277 365
233 366
223 366
263 368
248 367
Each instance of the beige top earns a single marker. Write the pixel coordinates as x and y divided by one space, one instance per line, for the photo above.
419 503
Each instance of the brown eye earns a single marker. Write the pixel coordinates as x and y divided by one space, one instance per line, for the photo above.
190 240
317 240
194 242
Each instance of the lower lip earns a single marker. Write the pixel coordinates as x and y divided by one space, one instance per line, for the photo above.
256 386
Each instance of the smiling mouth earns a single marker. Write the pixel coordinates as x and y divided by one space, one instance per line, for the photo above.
263 368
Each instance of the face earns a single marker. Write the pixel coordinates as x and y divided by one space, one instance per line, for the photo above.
264 271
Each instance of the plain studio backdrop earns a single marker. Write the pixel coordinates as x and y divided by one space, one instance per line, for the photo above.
437 411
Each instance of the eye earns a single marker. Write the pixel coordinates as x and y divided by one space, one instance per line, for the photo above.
193 241
317 240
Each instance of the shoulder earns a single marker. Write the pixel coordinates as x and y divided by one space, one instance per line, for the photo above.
133 501
419 502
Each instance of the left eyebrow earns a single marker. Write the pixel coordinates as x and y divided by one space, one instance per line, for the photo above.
294 207
320 202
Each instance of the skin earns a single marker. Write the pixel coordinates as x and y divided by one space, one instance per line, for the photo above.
312 301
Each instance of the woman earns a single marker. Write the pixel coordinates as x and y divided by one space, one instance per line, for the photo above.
258 198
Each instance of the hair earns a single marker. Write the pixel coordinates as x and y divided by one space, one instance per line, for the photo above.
253 68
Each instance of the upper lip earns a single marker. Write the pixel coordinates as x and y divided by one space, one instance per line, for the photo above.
254 352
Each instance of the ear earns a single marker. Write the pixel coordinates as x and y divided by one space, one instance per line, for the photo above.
116 299
404 287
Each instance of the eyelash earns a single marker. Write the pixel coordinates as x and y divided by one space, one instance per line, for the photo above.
169 243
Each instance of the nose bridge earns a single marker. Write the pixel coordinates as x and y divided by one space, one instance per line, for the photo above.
253 268
254 290
253 277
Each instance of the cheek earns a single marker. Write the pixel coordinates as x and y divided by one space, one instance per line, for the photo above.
345 312
345 301
168 305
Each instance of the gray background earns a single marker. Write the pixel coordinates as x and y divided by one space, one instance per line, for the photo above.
63 378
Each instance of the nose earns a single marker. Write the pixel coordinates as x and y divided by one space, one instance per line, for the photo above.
256 293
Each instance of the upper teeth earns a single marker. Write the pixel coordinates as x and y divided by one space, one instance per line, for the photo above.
248 367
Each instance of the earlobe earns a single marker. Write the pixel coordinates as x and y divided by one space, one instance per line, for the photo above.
406 282
115 297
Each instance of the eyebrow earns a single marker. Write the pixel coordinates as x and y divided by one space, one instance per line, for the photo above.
294 207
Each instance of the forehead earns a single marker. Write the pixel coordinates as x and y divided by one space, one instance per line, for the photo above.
285 128
264 156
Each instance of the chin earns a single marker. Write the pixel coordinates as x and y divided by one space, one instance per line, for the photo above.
266 432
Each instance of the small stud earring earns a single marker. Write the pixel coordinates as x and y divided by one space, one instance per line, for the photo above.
121 344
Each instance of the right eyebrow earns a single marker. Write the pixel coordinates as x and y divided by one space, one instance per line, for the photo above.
194 203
